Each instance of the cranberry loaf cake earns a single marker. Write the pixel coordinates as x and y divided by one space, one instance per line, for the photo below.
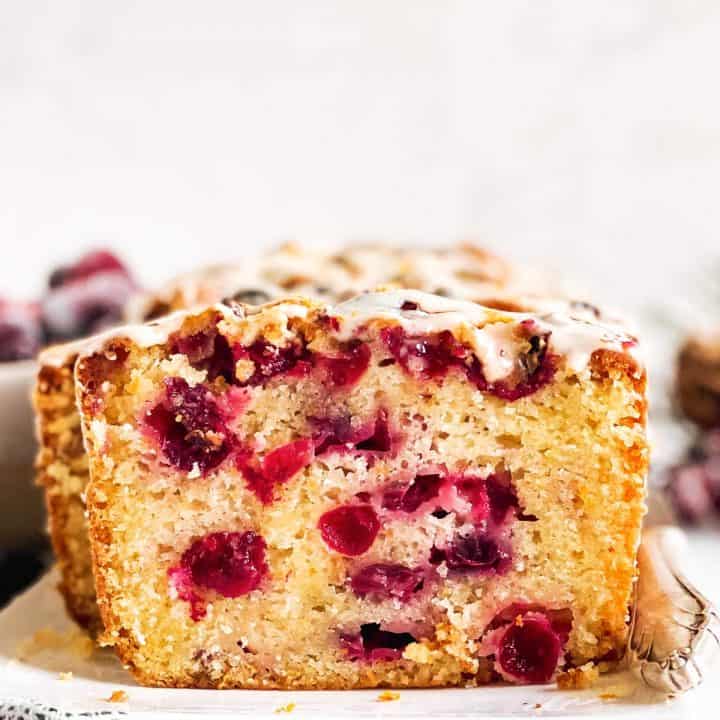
400 490
465 271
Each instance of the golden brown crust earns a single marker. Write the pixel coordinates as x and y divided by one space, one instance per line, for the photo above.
61 467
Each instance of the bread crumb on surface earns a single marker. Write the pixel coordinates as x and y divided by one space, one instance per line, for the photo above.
285 708
580 678
388 696
118 696
65 676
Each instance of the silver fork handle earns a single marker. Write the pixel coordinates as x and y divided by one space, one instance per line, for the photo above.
675 631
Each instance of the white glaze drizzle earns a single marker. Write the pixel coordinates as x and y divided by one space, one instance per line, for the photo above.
490 332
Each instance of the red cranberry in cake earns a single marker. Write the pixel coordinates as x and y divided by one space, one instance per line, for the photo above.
190 427
535 368
347 368
383 581
230 563
276 468
423 489
349 529
529 650
270 361
476 552
429 356
339 435
373 644
474 490
208 350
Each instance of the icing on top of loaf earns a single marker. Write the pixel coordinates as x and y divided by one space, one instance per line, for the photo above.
490 333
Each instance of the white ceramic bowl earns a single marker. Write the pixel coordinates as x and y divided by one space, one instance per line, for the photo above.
22 514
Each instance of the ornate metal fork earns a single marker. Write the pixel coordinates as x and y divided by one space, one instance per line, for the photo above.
675 632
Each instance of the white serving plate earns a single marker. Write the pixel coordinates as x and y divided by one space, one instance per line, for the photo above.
33 688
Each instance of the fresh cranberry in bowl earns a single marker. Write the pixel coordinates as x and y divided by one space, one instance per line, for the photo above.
86 297
20 332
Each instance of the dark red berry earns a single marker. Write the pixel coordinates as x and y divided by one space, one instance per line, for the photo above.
92 263
20 331
383 581
85 305
429 356
690 492
231 563
278 466
346 369
207 350
373 644
474 491
423 489
190 427
477 552
433 356
561 619
271 361
339 435
529 650
349 529
537 369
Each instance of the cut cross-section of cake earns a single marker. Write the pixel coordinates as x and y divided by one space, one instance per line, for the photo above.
400 490
464 271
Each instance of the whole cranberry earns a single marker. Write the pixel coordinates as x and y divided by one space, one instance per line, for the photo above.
530 649
349 529
20 331
231 563
86 297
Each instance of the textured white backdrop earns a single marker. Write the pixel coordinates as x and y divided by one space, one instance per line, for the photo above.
570 133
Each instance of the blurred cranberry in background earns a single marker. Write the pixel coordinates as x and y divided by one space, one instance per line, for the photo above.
85 297
694 485
21 334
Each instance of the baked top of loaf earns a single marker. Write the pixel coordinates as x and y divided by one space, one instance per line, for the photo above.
463 271
399 490
575 331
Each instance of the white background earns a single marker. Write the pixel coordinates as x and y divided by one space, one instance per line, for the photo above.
570 133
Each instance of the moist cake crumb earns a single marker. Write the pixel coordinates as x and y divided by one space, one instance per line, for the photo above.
469 513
